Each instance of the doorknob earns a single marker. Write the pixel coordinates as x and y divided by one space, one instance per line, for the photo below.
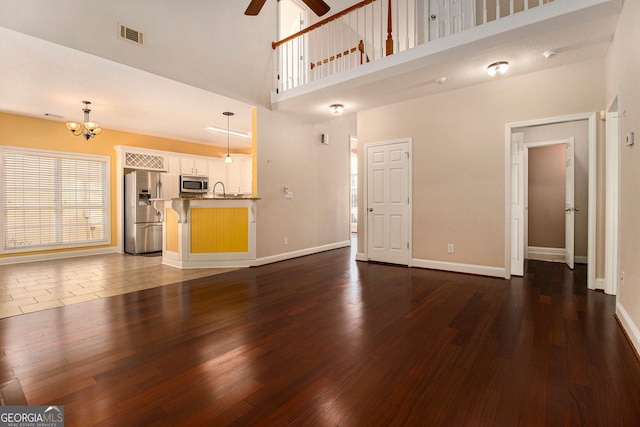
370 209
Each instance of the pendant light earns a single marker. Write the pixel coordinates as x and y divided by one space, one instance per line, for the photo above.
228 159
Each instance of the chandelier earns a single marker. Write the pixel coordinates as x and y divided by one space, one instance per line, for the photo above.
87 129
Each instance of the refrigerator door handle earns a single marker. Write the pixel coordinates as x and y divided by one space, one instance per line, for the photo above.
151 225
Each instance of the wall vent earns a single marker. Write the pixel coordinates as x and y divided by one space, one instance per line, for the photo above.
132 35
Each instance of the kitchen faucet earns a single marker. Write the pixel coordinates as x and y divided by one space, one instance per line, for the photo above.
224 193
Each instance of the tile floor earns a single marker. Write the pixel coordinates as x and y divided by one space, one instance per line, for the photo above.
35 286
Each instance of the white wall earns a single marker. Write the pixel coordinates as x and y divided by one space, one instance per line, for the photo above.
459 149
623 69
290 153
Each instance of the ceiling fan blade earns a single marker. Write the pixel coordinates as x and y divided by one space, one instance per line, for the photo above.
254 7
319 7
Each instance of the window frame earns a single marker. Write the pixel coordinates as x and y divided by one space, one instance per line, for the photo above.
106 206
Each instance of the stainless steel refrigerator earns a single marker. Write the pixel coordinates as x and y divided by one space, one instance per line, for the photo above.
142 225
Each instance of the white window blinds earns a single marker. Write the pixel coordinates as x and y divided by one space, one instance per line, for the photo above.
53 199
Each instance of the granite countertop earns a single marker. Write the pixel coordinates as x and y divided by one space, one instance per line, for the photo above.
216 197
212 197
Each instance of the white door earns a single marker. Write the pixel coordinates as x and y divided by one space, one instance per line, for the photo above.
450 16
569 250
388 202
517 204
293 61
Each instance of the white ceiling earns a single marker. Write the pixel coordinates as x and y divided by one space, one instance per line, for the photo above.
38 77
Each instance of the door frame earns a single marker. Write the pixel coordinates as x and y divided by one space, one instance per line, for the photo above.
365 193
592 212
526 147
612 199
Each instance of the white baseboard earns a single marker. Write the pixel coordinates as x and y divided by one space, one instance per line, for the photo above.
599 283
360 256
552 254
545 254
184 265
480 270
629 327
57 255
302 252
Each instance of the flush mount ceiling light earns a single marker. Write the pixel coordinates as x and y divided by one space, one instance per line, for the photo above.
228 159
87 129
498 68
336 109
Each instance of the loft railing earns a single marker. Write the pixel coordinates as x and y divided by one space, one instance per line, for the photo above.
372 29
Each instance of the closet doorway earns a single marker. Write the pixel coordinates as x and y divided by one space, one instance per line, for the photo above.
537 134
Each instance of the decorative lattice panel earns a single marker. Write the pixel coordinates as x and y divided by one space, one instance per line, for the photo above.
144 161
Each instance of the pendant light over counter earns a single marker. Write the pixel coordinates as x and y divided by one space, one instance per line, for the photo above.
228 159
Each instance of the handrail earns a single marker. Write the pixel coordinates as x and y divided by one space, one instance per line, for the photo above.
359 48
319 24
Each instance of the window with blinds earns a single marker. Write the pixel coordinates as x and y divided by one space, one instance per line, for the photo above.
54 199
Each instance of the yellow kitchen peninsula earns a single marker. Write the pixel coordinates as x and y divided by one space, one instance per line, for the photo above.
208 232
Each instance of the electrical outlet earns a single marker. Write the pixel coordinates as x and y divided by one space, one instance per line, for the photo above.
450 248
285 241
622 278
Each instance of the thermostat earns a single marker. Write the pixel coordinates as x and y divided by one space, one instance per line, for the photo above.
629 139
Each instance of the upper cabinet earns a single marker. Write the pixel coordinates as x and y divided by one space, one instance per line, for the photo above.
194 166
237 177
217 173
240 175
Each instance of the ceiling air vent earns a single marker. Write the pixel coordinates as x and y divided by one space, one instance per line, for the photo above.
130 34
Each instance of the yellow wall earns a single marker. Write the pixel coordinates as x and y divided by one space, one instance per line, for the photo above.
29 132
171 227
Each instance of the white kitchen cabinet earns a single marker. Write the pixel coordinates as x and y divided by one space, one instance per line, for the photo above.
217 173
194 166
239 175
174 165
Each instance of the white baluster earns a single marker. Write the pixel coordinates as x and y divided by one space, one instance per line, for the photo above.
406 18
416 34
484 11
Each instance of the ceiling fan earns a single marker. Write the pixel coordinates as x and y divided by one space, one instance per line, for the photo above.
319 7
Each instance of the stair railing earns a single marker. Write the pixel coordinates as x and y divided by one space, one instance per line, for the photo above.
376 29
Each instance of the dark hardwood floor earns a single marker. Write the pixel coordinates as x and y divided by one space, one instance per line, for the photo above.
325 341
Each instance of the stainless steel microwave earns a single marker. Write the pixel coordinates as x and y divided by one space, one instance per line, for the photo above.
194 184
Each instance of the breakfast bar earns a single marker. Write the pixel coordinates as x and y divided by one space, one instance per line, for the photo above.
208 232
